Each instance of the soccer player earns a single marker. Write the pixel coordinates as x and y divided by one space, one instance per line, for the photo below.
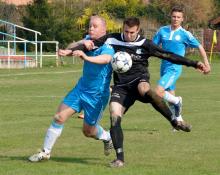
175 39
90 94
134 84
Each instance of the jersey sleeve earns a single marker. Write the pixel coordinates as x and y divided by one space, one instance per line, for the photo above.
191 41
107 49
156 38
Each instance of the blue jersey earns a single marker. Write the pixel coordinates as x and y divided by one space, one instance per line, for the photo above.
97 77
175 41
92 90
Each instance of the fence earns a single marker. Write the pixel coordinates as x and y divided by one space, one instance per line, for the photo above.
9 58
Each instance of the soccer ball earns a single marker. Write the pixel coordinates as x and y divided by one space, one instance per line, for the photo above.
121 62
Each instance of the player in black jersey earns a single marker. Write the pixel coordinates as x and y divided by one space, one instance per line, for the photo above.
134 84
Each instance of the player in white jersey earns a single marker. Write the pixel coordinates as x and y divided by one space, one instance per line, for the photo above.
90 94
176 39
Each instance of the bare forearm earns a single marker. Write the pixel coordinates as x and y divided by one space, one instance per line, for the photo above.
101 59
74 44
203 54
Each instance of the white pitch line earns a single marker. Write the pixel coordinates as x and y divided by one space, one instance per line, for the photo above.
38 73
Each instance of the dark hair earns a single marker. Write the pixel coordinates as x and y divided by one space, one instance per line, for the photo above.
131 22
178 8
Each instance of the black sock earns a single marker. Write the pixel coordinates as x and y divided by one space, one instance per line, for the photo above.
117 137
158 104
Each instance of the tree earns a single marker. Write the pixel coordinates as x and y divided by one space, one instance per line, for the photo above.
38 17
197 14
54 22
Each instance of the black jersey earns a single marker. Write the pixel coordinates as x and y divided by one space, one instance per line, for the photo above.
140 50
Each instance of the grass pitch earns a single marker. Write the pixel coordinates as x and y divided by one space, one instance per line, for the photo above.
29 99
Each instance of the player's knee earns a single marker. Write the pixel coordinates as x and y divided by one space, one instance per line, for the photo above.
143 87
88 132
159 92
115 121
58 118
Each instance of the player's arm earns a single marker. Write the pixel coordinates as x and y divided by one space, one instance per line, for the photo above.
169 56
100 59
205 59
75 44
87 45
79 45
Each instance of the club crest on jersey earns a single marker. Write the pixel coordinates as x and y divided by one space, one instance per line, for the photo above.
177 37
138 51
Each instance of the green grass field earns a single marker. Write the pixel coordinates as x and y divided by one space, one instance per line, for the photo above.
29 99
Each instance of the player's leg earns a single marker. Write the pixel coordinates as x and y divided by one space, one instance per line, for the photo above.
99 133
66 109
166 84
149 96
81 115
176 107
120 102
166 89
116 113
93 112
53 133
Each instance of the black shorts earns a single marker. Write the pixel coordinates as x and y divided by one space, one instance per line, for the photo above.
127 94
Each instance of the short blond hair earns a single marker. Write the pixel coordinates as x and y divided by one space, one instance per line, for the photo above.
103 21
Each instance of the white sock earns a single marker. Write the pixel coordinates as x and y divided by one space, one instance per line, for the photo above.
179 118
53 132
171 98
102 134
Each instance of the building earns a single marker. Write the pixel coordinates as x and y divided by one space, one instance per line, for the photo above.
17 2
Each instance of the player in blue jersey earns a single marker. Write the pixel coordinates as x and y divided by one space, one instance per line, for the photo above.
90 94
175 39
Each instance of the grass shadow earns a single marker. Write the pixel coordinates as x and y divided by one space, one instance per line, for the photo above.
79 160
76 160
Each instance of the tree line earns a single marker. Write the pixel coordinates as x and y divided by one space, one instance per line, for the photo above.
67 20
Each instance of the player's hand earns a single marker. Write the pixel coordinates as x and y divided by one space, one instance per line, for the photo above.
62 52
201 66
79 53
207 68
88 44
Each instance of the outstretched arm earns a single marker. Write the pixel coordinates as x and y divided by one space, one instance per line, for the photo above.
90 44
174 58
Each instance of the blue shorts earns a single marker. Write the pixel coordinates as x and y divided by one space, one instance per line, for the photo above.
168 78
93 105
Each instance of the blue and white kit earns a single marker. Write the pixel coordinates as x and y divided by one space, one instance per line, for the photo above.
91 93
175 41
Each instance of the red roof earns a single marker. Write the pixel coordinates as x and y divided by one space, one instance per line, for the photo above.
15 58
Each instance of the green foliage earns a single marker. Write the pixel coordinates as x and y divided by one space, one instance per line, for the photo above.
38 17
67 20
52 22
217 5
9 12
83 21
155 12
124 8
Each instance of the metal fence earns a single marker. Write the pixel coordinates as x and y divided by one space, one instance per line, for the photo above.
10 58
